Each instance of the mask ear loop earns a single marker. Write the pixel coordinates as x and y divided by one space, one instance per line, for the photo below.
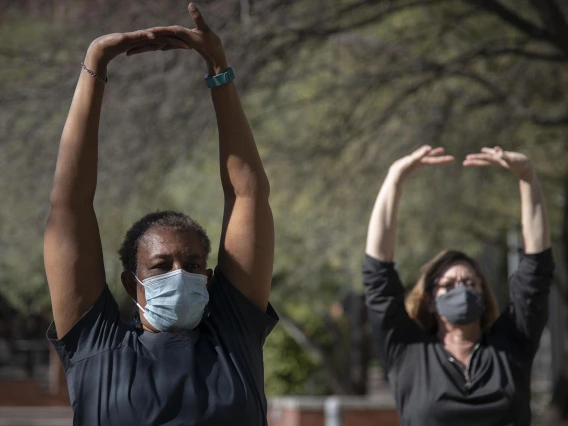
135 314
206 311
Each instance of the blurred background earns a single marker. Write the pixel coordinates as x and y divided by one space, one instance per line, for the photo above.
335 91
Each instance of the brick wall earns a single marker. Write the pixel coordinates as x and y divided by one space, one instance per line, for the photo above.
29 392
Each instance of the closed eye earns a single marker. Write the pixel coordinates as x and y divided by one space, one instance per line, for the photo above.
160 266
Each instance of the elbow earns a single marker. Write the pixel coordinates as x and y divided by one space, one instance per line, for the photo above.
61 198
57 198
262 189
255 187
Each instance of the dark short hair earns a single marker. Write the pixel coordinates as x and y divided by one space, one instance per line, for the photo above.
167 219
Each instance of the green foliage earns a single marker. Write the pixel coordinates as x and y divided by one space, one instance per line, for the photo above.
288 368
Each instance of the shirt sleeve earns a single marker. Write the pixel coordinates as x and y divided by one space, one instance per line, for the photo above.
529 289
392 328
98 330
235 315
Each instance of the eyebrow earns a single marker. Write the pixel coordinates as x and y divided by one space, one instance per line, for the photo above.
456 278
194 256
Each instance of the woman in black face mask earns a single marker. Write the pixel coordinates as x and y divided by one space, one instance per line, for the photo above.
450 357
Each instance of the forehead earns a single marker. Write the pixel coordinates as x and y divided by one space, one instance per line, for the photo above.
170 241
458 269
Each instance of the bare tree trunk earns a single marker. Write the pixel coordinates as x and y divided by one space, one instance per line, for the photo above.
359 344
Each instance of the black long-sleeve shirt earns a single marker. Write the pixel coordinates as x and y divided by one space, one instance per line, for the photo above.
431 387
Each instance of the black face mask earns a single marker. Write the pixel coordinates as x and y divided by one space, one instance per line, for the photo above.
461 305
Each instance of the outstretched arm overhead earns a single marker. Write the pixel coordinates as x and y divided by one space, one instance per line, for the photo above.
392 327
534 215
529 286
72 246
381 235
246 251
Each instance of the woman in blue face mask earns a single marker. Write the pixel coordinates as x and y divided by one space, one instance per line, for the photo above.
449 355
193 354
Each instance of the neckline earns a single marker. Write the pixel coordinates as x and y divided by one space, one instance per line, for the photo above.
451 358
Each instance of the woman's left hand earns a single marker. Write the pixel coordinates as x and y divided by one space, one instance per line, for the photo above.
202 39
518 163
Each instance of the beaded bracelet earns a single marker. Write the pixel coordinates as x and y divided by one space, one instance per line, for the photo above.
99 78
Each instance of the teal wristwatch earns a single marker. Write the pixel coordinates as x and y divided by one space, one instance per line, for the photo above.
220 79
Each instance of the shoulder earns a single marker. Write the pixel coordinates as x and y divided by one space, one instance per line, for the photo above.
232 312
98 330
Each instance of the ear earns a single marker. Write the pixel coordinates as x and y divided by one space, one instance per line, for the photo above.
129 283
209 273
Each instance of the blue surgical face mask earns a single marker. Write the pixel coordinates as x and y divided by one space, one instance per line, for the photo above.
175 300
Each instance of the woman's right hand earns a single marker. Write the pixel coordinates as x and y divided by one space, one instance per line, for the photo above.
423 156
105 48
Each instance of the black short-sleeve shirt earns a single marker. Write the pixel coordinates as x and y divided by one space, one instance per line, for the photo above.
118 374
431 388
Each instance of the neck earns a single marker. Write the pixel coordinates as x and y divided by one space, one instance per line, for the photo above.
463 336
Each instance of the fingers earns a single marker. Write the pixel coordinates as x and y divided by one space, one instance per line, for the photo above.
153 48
437 160
498 151
164 35
170 41
486 158
421 152
171 31
142 49
192 38
138 35
158 43
477 163
197 17
427 151
436 152
172 48
494 150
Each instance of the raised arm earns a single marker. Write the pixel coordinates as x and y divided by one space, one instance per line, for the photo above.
246 252
381 235
72 246
384 295
529 286
534 215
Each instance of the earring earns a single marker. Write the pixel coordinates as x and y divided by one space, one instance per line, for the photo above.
136 317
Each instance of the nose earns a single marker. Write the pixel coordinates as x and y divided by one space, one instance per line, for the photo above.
177 265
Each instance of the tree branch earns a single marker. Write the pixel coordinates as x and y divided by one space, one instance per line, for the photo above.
512 18
551 16
489 52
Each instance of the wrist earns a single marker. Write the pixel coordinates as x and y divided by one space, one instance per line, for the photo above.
96 61
394 177
528 174
218 67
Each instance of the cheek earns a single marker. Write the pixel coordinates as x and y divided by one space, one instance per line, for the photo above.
141 295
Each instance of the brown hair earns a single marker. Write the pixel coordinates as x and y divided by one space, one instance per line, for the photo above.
417 300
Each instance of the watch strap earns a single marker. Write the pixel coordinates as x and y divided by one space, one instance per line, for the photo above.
220 79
